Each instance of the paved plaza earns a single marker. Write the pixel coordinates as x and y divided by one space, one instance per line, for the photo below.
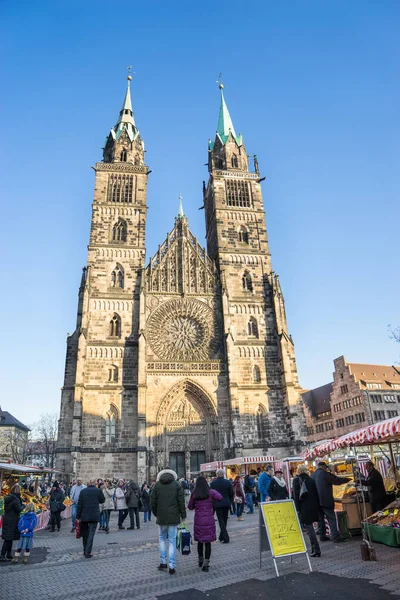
124 566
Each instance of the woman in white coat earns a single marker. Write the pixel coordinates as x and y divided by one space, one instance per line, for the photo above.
121 504
108 506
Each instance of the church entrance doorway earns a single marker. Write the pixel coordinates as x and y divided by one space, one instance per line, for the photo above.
187 429
177 463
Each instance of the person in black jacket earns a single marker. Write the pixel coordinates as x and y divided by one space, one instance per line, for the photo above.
277 488
324 480
88 513
307 505
57 497
146 503
133 502
224 487
9 532
376 487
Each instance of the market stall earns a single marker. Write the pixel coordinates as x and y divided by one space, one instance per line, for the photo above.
354 498
11 474
242 465
209 470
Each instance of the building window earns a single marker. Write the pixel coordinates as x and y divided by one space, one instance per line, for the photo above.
376 398
256 374
237 193
119 231
247 283
377 386
120 188
115 326
310 430
360 418
328 426
260 418
392 413
344 389
389 398
243 235
395 386
319 428
340 423
252 328
379 415
219 163
357 401
117 277
113 374
337 407
123 156
350 420
111 425
234 161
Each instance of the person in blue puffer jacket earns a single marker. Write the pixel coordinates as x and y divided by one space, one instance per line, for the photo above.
26 527
264 481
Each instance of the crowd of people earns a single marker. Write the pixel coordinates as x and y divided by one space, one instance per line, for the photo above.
168 500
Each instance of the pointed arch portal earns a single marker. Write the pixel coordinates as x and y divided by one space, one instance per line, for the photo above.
187 429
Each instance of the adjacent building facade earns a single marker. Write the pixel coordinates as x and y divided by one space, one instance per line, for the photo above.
186 359
359 395
13 438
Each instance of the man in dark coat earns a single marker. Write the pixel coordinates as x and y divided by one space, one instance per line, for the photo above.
376 487
88 513
224 487
324 480
133 501
9 532
307 506
168 505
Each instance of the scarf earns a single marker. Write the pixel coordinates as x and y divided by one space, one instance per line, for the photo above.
280 481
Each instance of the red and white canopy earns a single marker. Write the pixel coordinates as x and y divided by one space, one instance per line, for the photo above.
379 433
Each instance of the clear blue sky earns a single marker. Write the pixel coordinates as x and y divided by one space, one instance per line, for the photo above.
314 88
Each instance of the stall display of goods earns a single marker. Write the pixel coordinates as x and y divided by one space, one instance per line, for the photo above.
389 517
344 490
384 525
390 484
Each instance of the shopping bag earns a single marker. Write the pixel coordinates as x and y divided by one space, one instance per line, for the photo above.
78 529
183 539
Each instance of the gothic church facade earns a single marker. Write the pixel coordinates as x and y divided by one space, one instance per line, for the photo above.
185 359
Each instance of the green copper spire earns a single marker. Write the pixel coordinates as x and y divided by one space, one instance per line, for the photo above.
225 125
126 121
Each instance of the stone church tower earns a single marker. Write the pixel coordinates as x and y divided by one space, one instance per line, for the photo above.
187 359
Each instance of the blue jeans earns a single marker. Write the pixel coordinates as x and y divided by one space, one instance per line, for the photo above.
169 531
147 516
239 509
249 502
73 514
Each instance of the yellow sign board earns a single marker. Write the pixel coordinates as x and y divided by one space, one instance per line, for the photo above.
283 528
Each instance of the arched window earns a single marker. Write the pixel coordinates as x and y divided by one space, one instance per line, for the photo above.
234 161
219 163
256 374
119 231
243 235
115 326
252 327
247 283
117 276
260 417
124 155
111 425
113 374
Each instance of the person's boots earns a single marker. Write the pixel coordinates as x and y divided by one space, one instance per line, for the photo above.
16 556
315 551
26 556
201 561
206 564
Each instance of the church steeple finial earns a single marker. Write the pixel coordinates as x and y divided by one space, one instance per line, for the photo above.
126 112
181 214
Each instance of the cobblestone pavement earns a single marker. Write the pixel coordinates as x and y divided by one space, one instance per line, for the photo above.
124 565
